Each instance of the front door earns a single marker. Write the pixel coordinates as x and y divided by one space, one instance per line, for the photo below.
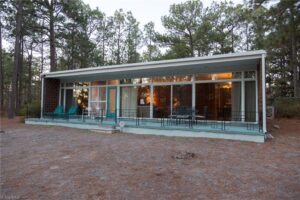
111 102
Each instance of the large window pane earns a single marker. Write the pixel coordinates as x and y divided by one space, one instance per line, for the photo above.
250 101
102 93
143 101
62 92
128 101
94 94
161 101
216 98
236 101
81 99
135 101
182 97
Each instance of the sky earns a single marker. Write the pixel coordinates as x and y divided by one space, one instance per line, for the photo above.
143 10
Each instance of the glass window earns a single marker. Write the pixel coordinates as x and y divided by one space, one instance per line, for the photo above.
126 81
143 101
159 79
250 74
135 101
98 83
182 78
102 93
94 94
216 76
214 99
62 92
69 84
135 81
112 82
182 97
80 97
128 101
161 101
80 84
236 74
250 101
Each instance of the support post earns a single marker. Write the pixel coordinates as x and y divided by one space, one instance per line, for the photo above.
243 116
263 74
118 99
42 96
193 95
151 100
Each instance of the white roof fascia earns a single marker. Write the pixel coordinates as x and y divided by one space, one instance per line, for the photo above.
159 64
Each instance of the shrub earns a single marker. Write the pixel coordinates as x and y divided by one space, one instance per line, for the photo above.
287 107
32 109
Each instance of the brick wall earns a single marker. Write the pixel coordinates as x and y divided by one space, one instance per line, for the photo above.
51 94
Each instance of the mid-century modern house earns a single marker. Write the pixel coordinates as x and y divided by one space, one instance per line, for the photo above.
218 96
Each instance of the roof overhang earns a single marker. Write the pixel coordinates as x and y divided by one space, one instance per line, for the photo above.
208 64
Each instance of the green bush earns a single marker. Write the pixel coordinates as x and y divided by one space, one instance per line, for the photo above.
287 107
31 110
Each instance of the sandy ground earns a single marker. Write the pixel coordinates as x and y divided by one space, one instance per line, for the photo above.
43 162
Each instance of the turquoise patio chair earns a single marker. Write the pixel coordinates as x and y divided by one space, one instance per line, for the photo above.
72 111
57 111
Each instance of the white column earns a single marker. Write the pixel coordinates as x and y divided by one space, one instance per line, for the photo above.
256 94
65 97
243 97
193 92
263 85
42 96
151 100
171 102
89 99
118 98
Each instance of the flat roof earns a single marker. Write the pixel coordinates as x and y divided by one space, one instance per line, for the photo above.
216 63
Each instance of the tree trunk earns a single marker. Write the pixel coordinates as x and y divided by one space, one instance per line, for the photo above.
296 78
191 43
42 50
1 73
20 77
103 50
29 76
52 39
12 96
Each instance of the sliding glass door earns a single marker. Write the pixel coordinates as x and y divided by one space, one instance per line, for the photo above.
161 101
135 101
215 99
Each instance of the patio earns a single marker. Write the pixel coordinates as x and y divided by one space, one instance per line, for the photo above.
184 123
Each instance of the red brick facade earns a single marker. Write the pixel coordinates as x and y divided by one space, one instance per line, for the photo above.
51 94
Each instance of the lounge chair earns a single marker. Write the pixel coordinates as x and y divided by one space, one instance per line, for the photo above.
57 111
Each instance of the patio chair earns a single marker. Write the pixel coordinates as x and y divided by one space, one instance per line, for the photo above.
59 110
202 117
72 111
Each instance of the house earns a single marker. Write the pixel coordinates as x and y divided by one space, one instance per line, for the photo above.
218 96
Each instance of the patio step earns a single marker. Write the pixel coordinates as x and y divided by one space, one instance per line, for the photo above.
106 129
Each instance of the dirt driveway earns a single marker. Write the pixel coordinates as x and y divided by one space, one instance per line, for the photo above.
43 162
